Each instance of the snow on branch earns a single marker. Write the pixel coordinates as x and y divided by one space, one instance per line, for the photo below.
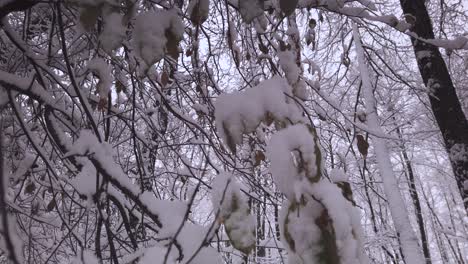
240 113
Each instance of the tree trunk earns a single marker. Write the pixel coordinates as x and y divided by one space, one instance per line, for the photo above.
415 197
443 97
409 243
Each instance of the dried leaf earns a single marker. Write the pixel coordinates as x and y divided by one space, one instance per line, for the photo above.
51 205
120 87
164 78
269 118
263 48
102 105
172 44
362 145
30 188
229 139
89 16
199 13
259 157
288 6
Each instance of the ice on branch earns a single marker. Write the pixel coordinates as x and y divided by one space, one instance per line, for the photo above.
156 32
233 209
241 112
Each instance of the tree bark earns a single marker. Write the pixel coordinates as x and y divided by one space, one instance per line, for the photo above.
443 98
415 197
412 253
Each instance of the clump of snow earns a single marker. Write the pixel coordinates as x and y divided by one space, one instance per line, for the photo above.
88 145
250 9
334 4
261 24
86 257
300 90
201 108
23 166
293 158
241 112
171 213
369 4
150 33
190 238
198 11
345 219
287 60
299 232
85 182
303 234
174 225
460 42
104 73
156 255
228 199
113 32
338 175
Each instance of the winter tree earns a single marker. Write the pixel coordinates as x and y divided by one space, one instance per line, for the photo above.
235 131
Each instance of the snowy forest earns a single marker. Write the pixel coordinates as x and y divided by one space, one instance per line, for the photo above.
234 131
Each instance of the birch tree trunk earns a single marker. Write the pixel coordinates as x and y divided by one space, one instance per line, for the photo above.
443 97
416 201
400 216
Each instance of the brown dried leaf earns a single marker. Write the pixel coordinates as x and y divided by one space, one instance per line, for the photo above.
288 6
102 105
172 44
229 139
89 16
164 78
362 145
259 157
120 87
30 188
51 205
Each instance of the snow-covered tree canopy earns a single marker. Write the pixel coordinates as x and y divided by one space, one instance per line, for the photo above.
234 131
